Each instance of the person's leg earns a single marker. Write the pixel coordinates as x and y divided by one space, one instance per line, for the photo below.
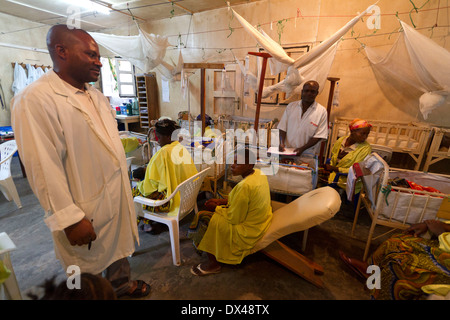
119 274
211 265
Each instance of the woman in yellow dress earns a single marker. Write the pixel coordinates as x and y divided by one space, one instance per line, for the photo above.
348 150
168 167
236 224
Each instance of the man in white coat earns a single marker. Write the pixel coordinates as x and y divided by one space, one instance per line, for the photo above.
304 123
75 162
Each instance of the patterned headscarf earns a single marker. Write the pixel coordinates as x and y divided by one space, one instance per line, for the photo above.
358 124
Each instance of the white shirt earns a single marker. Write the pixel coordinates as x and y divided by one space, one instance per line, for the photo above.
301 127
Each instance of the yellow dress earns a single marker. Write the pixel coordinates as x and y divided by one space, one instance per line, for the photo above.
234 229
168 167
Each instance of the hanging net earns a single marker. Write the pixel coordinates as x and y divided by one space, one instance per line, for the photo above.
413 72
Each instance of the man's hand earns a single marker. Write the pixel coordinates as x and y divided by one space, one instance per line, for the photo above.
80 233
281 147
299 151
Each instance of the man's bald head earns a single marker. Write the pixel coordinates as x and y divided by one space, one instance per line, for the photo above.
61 34
75 55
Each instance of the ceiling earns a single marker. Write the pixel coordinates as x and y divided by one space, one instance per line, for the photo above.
121 12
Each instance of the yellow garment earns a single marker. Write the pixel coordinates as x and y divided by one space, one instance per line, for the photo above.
4 272
359 154
440 289
169 167
235 229
130 144
444 241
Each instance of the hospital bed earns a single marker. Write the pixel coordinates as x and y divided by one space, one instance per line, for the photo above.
409 138
398 207
439 148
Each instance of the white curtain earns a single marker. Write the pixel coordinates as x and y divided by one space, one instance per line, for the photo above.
414 63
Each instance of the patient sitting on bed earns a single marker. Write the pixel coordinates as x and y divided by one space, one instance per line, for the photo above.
348 150
233 227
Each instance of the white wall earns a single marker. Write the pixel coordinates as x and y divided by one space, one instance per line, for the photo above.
19 32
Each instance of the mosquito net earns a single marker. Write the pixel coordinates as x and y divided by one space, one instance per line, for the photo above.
415 64
313 65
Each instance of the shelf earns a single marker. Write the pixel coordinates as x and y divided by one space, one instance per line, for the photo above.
147 95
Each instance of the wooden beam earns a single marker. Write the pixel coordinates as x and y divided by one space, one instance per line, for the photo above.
295 262
265 56
331 94
203 67
330 103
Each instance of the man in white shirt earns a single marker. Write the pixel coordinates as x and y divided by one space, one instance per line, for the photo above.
75 162
304 123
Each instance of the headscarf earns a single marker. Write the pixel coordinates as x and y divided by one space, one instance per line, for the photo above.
358 124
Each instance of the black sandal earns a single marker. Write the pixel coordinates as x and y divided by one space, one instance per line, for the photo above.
140 290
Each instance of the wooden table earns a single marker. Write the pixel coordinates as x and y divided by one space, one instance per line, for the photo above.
126 119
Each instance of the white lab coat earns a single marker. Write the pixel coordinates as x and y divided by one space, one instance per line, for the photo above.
32 74
75 170
20 79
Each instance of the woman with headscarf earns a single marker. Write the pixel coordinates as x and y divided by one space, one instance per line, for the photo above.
348 150
168 167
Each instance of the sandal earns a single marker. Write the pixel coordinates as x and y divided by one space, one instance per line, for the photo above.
142 290
348 262
198 271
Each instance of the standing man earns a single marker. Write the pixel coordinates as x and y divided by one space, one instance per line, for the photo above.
75 162
304 123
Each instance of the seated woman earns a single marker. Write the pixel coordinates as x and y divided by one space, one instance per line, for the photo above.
236 225
348 150
408 263
168 167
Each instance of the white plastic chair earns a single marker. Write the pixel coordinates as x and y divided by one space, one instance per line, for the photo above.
10 284
7 186
188 190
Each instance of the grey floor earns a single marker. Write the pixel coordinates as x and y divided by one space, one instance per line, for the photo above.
257 278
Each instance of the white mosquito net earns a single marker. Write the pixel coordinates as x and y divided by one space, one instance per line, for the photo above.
146 51
313 65
415 64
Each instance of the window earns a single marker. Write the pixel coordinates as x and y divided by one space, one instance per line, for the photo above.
125 78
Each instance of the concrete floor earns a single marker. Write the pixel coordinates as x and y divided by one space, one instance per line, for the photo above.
257 278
